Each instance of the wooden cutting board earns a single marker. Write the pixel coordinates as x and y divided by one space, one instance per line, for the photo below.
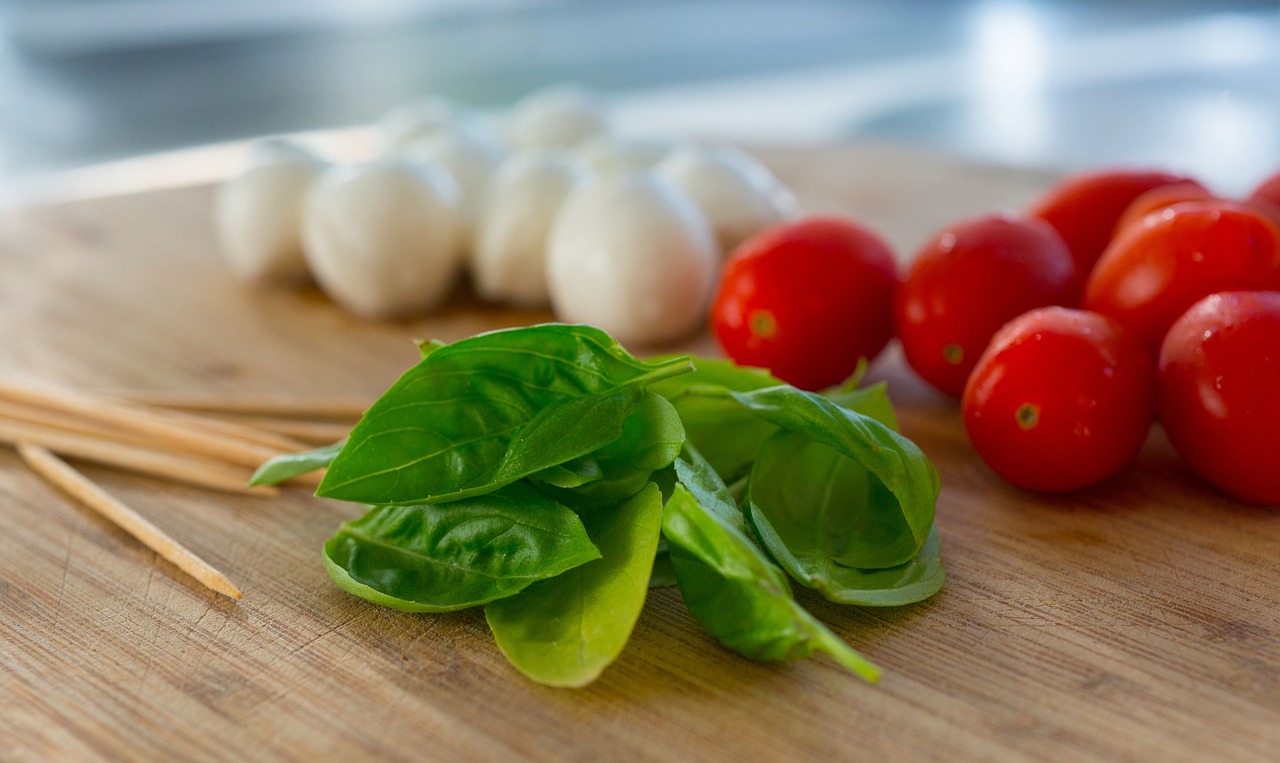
1139 620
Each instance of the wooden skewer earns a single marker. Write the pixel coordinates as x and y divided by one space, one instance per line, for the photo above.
310 432
133 458
68 423
61 474
166 427
315 408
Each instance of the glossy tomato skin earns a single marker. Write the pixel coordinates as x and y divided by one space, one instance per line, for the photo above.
807 299
1084 208
1266 197
967 282
1219 392
1060 400
1164 263
1159 198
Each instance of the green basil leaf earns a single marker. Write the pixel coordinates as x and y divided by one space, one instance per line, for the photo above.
436 558
739 596
566 630
651 438
486 411
289 465
870 490
870 401
725 434
908 583
663 574
700 479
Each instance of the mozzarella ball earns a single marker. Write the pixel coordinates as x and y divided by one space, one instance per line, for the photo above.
738 194
382 238
555 118
612 154
633 255
258 214
471 162
509 262
428 116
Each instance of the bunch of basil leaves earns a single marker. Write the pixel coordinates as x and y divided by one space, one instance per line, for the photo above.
549 476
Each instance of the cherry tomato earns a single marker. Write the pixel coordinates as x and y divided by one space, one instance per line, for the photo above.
1084 208
1219 375
1266 197
1268 191
1061 399
1158 198
806 300
970 280
1162 264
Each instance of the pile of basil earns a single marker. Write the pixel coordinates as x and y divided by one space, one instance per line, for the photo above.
553 478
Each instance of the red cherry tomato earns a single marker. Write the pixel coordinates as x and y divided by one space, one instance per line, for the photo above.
1162 264
1158 198
969 281
1268 191
1061 399
1219 392
806 300
1084 208
1266 197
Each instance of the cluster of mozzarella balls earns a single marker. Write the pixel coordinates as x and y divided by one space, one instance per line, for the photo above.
543 205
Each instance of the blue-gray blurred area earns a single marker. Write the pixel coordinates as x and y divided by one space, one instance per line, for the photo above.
1190 85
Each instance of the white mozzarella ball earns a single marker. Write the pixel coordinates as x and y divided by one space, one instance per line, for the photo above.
428 116
258 214
559 117
472 163
509 262
633 255
382 238
738 194
612 154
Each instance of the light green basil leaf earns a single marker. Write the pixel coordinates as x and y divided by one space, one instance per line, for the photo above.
566 630
651 438
908 583
870 401
289 465
870 490
739 596
441 557
486 411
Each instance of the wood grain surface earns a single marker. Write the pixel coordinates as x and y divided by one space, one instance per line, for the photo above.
1139 620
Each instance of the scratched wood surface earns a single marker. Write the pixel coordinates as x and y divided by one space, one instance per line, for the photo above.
1139 620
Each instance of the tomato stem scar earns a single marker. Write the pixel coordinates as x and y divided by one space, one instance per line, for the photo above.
952 353
762 323
1027 415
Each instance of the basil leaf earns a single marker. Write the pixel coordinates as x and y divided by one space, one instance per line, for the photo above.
651 438
908 583
696 475
486 411
289 465
870 490
663 574
870 401
566 630
436 558
739 596
725 434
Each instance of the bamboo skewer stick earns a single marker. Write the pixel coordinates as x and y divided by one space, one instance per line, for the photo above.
310 432
193 471
61 474
321 408
68 423
166 427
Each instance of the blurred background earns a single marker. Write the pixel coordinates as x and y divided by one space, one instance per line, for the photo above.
1192 85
